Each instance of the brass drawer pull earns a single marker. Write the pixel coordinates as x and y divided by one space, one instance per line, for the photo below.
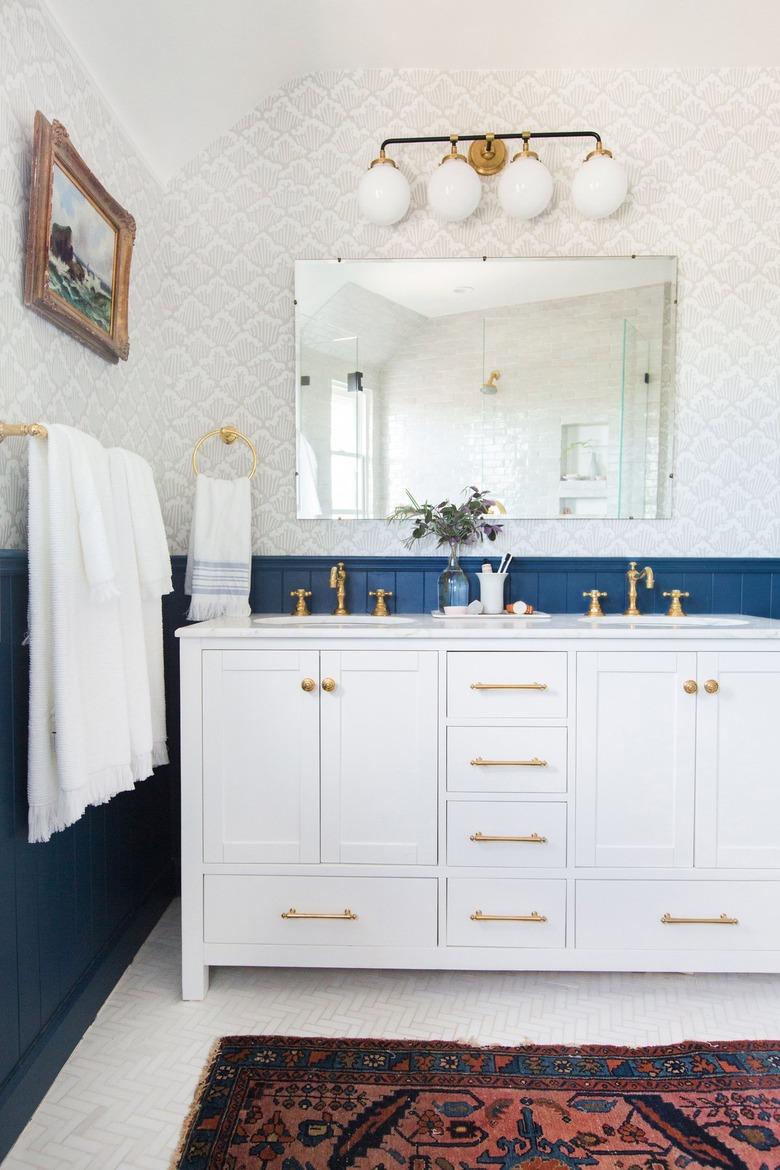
345 916
712 686
478 916
478 686
308 685
690 686
329 685
723 920
532 763
532 839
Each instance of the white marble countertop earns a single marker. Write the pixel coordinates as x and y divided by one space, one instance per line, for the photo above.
417 626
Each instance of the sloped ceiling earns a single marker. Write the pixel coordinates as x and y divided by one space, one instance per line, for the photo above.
180 72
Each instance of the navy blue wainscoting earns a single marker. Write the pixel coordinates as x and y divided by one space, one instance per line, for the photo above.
554 584
73 911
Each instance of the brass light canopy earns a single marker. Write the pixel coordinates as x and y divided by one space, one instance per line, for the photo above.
488 155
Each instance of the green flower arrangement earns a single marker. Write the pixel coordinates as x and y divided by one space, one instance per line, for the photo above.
452 524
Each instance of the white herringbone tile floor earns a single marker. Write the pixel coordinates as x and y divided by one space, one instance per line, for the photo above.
119 1102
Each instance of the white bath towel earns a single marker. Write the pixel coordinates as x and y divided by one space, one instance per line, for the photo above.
79 745
153 563
220 553
139 711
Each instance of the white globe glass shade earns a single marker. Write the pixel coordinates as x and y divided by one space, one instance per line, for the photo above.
454 190
384 194
599 187
525 188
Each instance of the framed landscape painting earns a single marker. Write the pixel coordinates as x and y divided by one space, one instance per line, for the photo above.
79 246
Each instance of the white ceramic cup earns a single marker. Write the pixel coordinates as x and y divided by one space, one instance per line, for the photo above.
491 591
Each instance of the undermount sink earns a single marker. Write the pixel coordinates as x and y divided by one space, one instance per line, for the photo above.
660 619
327 619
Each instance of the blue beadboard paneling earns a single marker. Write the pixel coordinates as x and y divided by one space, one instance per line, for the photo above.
555 584
72 911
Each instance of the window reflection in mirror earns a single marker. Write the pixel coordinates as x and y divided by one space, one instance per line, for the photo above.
548 382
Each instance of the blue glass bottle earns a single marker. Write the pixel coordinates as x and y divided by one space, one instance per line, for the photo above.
453 582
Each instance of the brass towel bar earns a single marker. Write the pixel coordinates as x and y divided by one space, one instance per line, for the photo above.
34 430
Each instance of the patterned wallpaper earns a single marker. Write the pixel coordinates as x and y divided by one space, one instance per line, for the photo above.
212 310
703 154
45 374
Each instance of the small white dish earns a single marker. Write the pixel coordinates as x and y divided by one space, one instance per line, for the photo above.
455 610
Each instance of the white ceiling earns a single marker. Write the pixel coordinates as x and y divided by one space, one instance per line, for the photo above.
180 72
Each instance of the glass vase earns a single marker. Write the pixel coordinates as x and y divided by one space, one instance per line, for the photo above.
453 582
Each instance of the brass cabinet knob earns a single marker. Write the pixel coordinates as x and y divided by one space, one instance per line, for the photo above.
329 684
308 685
712 686
691 686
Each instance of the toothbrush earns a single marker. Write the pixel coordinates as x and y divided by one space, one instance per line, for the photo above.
506 561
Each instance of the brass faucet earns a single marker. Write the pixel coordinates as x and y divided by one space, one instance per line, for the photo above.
301 608
338 581
634 576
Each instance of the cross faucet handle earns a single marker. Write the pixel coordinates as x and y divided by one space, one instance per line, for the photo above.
675 605
380 609
594 609
301 608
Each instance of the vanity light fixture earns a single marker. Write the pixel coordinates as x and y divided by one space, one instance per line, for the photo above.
384 192
454 189
525 188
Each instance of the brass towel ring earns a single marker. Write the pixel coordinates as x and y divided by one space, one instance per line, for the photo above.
227 434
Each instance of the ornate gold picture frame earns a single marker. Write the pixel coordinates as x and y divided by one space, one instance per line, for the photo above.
79 246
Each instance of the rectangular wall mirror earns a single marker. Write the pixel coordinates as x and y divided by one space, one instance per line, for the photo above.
548 382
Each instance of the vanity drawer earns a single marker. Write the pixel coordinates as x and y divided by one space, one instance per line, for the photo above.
506 912
628 915
518 684
482 758
245 908
539 828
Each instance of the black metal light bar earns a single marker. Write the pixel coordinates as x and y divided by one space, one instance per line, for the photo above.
526 135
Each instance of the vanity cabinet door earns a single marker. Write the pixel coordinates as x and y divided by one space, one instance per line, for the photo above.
738 760
261 756
636 742
379 757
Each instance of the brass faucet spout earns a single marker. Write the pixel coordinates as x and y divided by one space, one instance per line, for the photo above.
338 581
633 577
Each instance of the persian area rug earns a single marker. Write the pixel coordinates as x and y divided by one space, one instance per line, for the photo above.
306 1104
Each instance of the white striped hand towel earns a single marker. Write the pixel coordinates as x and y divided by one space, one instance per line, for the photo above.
220 553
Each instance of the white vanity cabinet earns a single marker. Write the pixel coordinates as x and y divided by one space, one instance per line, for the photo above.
636 758
379 745
261 755
513 795
678 759
738 760
303 761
